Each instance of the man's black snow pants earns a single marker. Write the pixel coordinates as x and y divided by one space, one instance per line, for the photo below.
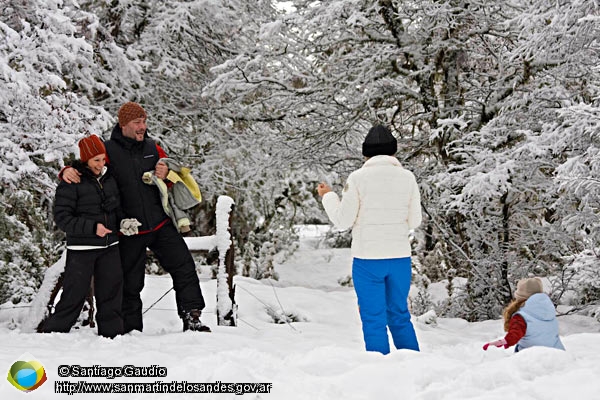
174 256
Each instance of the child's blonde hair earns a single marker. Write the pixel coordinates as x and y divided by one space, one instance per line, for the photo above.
525 288
510 309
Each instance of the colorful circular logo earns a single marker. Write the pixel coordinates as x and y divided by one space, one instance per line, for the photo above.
27 375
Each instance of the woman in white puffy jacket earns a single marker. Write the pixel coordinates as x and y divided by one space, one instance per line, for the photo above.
381 203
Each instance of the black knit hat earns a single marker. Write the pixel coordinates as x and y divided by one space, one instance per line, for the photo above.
379 141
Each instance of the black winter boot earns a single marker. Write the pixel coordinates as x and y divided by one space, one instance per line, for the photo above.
191 322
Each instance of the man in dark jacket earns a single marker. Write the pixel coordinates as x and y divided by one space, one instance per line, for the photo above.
131 153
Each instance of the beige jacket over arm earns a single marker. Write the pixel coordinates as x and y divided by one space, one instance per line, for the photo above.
381 203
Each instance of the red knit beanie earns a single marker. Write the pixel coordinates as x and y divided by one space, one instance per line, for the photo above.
90 147
130 111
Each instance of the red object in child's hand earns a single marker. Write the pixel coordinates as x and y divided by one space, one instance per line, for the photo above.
497 343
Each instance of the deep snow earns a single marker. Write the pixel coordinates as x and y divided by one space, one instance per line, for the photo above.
321 357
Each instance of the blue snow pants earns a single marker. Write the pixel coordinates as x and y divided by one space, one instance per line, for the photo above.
382 289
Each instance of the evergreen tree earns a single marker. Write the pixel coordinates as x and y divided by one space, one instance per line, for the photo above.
49 80
466 86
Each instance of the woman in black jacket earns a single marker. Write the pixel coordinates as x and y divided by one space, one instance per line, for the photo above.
90 215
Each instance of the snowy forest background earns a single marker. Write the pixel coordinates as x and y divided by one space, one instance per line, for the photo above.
495 104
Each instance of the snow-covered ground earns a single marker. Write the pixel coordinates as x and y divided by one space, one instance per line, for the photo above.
321 357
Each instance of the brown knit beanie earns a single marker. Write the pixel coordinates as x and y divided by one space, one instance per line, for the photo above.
130 111
527 287
90 147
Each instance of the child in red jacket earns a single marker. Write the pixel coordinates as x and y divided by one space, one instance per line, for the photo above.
530 319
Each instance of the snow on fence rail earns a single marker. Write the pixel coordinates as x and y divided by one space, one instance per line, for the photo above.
222 241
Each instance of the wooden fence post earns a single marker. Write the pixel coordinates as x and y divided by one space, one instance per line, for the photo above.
226 306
